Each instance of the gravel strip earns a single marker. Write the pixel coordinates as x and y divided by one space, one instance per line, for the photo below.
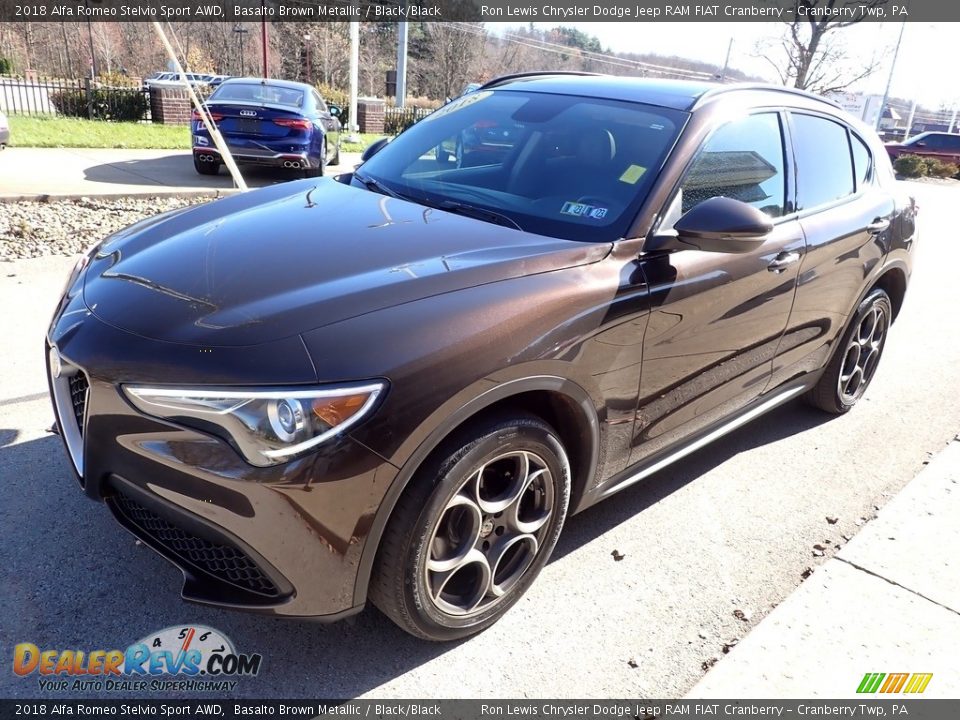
67 227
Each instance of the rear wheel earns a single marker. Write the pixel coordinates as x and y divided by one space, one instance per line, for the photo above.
205 168
473 529
310 172
854 363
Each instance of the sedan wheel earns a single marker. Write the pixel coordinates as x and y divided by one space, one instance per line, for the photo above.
853 365
473 530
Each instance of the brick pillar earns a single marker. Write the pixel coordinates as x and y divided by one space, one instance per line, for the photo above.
170 106
370 115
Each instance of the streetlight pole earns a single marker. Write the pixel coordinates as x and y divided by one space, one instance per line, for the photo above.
263 34
306 42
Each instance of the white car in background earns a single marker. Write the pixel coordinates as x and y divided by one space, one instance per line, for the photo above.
4 131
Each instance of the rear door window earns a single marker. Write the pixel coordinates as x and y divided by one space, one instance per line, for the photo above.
862 161
824 165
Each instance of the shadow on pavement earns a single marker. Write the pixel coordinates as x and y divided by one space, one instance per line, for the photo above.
176 171
790 419
76 579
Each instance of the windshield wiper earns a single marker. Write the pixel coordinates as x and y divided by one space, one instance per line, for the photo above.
479 213
370 184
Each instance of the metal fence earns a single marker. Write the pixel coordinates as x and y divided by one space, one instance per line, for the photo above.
82 98
396 119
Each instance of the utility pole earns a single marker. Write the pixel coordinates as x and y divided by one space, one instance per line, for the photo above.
726 62
401 64
893 67
241 31
913 112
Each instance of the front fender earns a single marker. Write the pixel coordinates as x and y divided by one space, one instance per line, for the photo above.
455 413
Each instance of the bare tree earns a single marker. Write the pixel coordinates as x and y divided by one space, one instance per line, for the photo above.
811 55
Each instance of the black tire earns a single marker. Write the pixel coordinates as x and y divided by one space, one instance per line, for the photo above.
336 156
206 168
317 171
417 598
844 381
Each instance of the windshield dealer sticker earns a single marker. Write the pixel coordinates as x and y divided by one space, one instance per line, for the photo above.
584 211
632 174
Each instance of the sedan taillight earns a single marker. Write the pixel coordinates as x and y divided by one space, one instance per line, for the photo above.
294 123
216 117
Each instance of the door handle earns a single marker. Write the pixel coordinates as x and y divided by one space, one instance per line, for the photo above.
782 261
878 226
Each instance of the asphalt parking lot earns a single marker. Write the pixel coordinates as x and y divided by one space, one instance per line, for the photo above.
729 529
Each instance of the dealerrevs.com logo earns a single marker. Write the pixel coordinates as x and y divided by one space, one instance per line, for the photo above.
183 658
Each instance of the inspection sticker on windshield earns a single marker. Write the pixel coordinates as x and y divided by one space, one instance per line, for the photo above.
582 210
632 174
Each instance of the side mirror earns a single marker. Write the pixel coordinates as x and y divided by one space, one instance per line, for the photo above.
373 148
334 110
718 224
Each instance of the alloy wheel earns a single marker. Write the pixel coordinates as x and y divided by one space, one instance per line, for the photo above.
861 354
489 533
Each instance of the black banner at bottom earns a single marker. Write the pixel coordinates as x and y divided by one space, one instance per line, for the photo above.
912 709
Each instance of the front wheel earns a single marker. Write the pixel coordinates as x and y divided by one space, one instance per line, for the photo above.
474 529
855 361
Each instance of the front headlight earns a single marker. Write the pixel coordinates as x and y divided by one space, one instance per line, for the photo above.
267 427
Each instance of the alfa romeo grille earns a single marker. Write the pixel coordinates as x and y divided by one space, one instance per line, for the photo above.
78 398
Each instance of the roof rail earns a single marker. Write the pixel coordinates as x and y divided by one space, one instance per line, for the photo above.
533 73
721 89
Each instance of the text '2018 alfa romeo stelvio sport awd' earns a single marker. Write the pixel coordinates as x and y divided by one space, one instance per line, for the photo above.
396 384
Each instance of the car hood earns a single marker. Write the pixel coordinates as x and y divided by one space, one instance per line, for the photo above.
271 263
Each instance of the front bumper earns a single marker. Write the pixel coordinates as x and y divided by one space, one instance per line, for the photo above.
285 540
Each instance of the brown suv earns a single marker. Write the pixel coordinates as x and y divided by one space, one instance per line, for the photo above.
397 384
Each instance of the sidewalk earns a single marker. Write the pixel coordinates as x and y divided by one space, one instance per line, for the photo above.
888 602
33 173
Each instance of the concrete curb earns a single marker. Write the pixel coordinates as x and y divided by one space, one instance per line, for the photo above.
888 602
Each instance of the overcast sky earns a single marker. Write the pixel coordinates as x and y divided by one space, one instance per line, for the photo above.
925 70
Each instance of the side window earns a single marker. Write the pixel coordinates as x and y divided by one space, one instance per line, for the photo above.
741 160
824 166
862 161
318 101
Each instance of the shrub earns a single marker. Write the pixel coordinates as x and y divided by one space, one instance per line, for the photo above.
937 168
911 166
115 79
6 66
105 104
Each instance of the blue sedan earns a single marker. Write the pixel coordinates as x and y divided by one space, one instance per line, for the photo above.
269 122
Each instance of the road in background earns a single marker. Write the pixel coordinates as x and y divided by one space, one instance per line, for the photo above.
725 534
36 172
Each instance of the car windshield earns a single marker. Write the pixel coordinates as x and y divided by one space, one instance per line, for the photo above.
558 165
259 93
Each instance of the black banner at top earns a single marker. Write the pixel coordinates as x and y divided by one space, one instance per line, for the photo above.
517 11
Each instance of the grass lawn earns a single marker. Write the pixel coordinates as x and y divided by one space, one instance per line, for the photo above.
51 132
74 132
